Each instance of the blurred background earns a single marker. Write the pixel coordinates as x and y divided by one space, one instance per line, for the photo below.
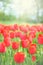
21 11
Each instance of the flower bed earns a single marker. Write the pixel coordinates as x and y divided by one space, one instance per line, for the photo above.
21 44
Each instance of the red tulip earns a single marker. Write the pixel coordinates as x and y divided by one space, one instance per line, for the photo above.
5 33
1 27
33 45
15 45
32 34
7 28
29 38
33 58
7 41
25 43
23 37
12 34
16 27
19 57
2 48
42 28
20 35
32 49
17 33
23 28
40 38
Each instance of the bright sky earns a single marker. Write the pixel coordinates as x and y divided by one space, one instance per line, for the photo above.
19 7
24 6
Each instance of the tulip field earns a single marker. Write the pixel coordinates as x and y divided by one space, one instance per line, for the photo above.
21 44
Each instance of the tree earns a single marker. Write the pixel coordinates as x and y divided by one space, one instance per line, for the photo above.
5 3
39 5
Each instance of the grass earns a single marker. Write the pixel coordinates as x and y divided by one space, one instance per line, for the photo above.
17 22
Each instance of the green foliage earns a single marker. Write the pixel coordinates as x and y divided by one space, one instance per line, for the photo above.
4 17
7 1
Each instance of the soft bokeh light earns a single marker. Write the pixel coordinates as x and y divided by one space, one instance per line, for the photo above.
24 6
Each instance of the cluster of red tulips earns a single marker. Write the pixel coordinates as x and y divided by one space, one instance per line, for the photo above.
23 40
